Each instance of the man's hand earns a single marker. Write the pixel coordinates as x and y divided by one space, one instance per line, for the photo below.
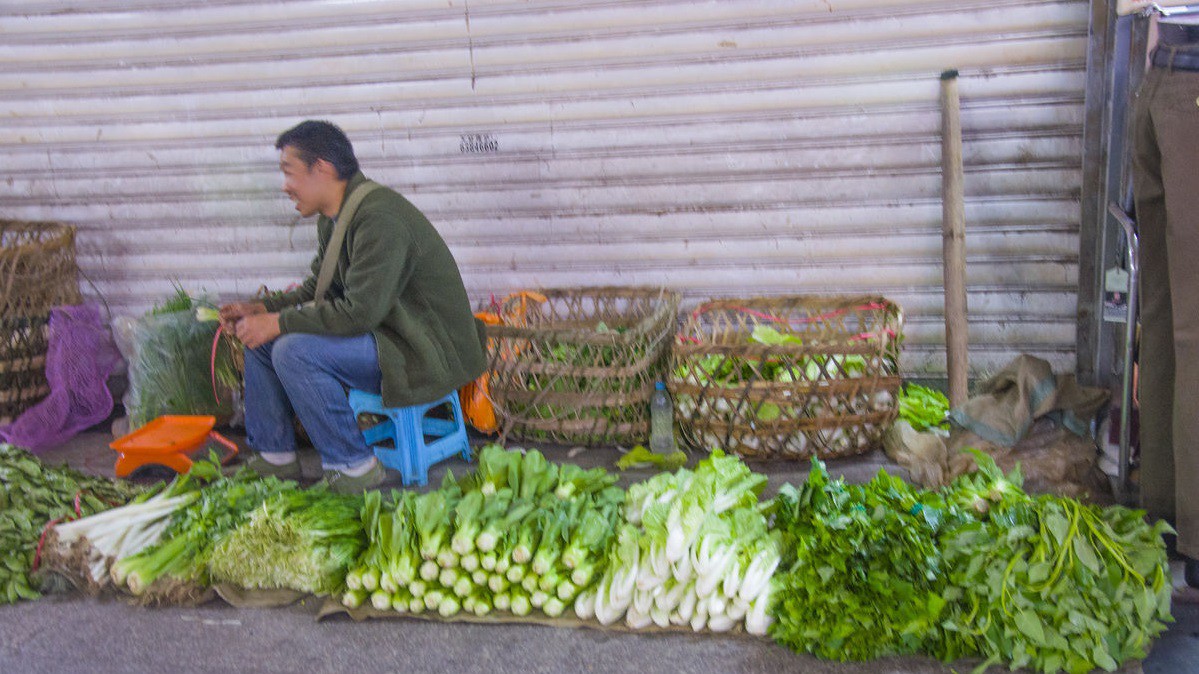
257 329
232 313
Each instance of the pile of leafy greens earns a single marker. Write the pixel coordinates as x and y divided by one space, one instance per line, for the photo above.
1047 582
923 407
977 570
34 495
862 571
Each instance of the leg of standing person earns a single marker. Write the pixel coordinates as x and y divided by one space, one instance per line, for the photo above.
1166 183
1157 332
1175 112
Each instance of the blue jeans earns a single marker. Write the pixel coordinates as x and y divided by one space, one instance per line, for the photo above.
307 376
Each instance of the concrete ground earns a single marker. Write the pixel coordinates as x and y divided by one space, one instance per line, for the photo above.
74 634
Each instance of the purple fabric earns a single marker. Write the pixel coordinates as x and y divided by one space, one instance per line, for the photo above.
79 359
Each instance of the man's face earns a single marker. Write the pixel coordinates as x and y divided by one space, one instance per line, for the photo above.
303 184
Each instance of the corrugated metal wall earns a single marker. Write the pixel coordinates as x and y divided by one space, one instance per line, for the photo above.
722 147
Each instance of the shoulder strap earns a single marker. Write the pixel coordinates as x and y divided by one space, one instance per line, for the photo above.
333 250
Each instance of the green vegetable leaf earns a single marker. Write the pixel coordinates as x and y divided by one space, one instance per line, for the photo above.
1086 554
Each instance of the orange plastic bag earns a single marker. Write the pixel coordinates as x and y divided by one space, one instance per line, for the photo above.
476 403
476 396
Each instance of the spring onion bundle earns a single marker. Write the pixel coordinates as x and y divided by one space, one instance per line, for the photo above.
85 550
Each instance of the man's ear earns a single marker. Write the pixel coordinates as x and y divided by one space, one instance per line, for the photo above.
325 168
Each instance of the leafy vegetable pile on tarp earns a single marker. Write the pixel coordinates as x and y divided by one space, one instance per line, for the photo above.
979 569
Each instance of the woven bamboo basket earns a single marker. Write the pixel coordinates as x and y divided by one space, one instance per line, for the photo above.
37 272
824 383
580 367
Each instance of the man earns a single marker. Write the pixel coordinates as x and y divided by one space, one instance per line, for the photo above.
394 320
1165 173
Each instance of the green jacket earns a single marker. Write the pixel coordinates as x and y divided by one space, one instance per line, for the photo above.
397 280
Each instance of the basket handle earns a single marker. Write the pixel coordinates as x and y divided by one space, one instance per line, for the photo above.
228 444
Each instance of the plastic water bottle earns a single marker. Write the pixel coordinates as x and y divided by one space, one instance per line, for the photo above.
661 421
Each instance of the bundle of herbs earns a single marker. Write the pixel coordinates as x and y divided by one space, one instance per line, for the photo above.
923 407
33 496
861 575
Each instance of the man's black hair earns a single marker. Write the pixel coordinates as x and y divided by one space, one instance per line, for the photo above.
317 139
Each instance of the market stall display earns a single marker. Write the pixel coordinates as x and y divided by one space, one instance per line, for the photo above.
978 569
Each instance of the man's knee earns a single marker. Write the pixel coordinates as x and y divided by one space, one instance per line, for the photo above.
292 353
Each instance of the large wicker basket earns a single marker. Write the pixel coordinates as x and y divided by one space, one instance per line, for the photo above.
37 272
819 376
580 367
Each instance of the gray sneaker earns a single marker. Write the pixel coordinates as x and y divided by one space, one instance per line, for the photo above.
287 471
340 483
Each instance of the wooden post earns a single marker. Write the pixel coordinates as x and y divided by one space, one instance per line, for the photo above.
953 212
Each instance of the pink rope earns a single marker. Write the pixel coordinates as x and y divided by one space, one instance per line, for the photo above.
805 319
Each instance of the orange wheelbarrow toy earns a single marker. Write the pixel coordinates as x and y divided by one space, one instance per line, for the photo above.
167 441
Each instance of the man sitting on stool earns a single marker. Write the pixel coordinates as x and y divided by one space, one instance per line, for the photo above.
384 311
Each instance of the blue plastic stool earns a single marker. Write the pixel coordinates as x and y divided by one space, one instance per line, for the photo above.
420 441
